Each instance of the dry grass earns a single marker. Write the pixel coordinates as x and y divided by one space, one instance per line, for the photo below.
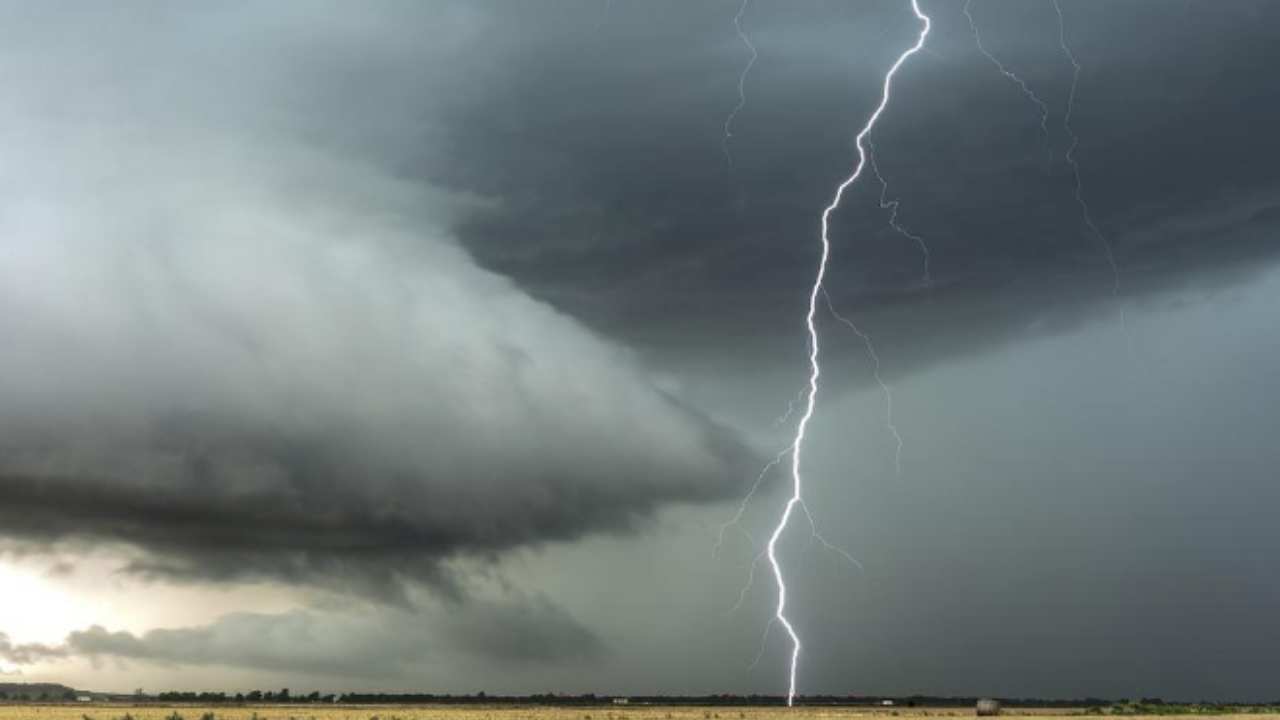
94 711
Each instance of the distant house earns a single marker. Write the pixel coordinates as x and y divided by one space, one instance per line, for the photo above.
887 703
987 707
621 701
84 698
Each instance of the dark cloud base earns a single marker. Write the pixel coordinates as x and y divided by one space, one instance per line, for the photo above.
376 642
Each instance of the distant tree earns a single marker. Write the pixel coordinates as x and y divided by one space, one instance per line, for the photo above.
283 695
314 696
254 696
239 697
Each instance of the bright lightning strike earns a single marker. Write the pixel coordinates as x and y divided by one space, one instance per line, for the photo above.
815 370
815 536
742 82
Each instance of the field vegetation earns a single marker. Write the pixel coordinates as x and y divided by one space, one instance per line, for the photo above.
116 711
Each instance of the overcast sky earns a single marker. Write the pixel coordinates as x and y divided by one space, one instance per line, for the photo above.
429 346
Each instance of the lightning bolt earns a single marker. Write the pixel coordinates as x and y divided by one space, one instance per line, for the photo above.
815 536
1022 85
875 373
736 520
815 369
892 206
1085 213
742 82
791 409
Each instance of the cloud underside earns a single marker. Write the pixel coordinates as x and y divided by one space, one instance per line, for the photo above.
244 331
239 391
250 357
376 642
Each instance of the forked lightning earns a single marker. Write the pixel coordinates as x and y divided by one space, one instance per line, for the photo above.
815 369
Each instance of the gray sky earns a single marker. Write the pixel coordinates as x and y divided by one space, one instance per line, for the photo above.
427 346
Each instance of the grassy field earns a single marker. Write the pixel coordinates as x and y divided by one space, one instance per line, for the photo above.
93 711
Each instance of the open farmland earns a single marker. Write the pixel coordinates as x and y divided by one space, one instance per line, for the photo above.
436 712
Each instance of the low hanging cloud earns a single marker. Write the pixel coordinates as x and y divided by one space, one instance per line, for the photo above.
28 653
244 386
251 357
374 642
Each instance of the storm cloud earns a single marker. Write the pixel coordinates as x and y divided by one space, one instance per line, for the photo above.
254 357
318 317
376 641
685 256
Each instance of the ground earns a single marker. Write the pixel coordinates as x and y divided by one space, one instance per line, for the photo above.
96 711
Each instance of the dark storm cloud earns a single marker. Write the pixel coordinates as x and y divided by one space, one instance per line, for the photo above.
237 343
371 643
629 217
338 295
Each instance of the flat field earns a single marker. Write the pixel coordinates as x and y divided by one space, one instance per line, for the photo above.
102 711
